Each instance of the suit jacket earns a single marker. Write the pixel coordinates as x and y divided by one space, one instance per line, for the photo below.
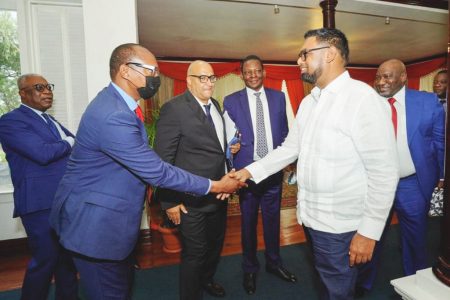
186 139
425 126
238 109
98 205
37 159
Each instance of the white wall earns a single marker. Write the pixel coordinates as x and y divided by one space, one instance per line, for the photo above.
79 73
107 24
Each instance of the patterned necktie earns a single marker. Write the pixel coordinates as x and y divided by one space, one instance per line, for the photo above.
261 141
139 113
51 126
394 114
208 113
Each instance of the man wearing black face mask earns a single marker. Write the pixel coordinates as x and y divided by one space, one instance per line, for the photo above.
98 205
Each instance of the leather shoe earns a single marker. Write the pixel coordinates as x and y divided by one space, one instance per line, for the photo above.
360 292
282 273
214 289
249 283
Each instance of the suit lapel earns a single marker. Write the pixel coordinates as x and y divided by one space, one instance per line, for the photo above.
413 108
39 121
245 108
200 114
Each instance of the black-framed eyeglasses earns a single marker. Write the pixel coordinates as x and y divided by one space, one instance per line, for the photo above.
40 87
152 69
204 78
305 52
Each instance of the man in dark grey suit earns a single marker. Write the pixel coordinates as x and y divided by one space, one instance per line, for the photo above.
191 135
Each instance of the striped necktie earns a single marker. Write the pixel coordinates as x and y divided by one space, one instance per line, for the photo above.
51 126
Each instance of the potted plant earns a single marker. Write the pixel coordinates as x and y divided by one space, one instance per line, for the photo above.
158 218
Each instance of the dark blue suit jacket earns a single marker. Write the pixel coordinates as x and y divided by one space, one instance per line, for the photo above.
238 109
98 205
36 158
425 126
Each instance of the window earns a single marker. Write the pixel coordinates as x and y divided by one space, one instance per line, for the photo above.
9 71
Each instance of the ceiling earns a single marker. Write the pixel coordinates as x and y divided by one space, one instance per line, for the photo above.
232 29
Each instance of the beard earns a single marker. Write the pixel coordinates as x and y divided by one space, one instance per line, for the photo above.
312 78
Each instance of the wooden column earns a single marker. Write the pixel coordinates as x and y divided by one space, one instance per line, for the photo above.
328 11
442 267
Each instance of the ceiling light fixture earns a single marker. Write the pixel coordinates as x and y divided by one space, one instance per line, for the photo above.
387 21
276 9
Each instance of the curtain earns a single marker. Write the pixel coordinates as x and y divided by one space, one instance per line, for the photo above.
426 82
279 75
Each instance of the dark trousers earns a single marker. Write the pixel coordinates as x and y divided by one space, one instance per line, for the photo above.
411 208
202 235
105 279
269 199
331 261
48 259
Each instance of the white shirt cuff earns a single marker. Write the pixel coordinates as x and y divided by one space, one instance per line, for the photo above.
70 140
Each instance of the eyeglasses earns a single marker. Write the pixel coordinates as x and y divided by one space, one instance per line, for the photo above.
305 52
204 78
40 87
152 69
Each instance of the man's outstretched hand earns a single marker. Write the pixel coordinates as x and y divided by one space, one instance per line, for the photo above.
226 186
242 175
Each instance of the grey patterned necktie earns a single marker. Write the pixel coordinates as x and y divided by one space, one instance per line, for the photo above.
261 141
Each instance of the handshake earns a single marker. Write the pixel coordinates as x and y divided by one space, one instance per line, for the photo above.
230 183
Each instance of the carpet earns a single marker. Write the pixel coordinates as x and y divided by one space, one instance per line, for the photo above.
162 283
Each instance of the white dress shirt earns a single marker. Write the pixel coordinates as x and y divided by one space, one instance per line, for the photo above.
347 170
252 104
217 119
63 135
406 164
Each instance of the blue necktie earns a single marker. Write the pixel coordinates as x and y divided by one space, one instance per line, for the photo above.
51 126
208 113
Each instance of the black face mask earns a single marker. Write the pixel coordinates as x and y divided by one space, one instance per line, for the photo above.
151 87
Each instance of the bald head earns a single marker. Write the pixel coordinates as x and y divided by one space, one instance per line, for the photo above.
201 90
391 77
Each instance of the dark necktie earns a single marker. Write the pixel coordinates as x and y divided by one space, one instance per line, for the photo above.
261 140
394 114
51 126
139 113
208 113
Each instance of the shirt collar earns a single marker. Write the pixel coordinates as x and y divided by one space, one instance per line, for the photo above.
35 110
400 96
333 87
201 103
252 91
131 103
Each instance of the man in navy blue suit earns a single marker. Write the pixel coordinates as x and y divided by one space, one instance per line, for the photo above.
418 120
260 115
37 148
98 205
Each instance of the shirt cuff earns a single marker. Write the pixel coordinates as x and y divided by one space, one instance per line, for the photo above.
209 187
257 171
371 229
70 140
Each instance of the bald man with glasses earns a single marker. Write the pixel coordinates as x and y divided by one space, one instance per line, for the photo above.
190 135
37 148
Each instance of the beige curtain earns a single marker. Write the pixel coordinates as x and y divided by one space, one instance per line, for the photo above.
426 82
226 85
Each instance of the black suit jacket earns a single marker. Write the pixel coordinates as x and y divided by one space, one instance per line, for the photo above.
186 139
